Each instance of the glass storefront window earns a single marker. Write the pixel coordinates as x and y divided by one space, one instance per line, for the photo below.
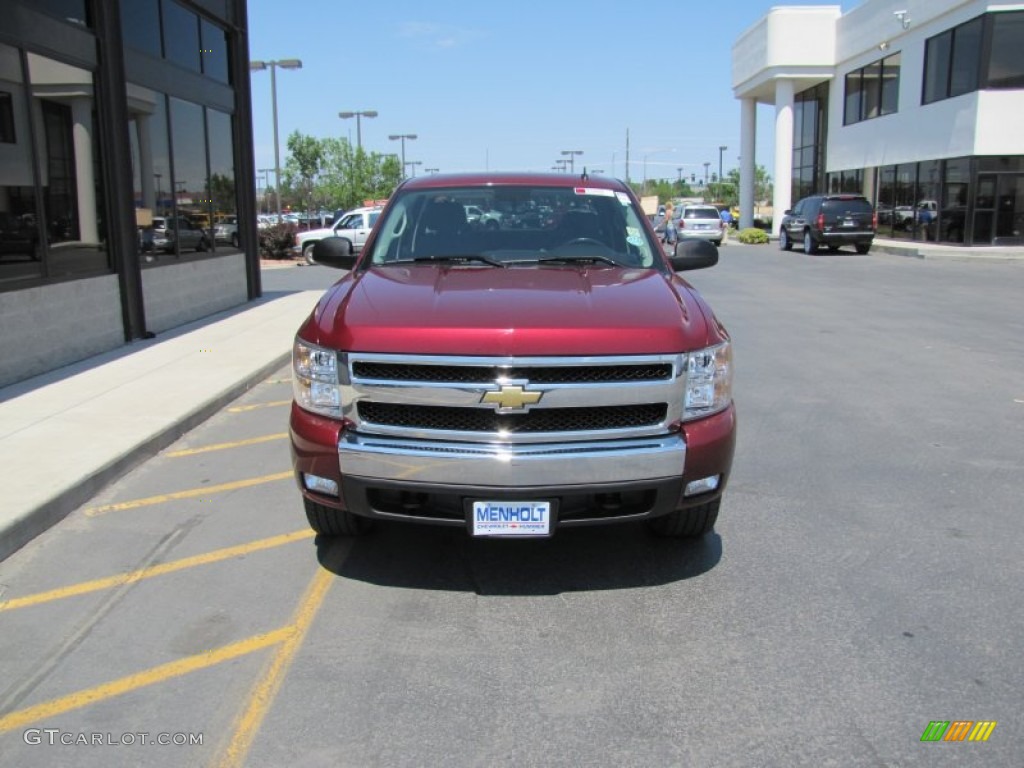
966 57
191 183
20 239
215 51
891 83
936 67
885 206
140 25
1006 63
222 180
74 11
853 98
926 210
70 166
953 213
151 166
181 36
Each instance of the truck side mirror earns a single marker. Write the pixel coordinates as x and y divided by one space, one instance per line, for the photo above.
334 252
694 254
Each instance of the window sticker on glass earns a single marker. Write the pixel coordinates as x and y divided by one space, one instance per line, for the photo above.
594 191
635 240
623 197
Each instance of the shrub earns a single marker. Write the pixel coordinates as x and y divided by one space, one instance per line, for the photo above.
752 236
276 241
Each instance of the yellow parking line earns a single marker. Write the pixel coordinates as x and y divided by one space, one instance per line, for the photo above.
225 446
132 577
261 697
272 404
50 709
191 493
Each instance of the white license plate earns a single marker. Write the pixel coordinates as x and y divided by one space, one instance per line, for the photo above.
511 518
848 222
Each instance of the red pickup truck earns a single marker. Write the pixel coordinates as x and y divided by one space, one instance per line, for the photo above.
550 372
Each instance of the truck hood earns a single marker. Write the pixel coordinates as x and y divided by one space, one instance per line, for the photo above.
513 311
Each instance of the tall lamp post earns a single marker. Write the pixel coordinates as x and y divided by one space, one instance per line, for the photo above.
402 137
721 149
572 155
359 125
256 66
431 171
413 163
266 183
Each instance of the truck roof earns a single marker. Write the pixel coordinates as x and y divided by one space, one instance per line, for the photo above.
491 178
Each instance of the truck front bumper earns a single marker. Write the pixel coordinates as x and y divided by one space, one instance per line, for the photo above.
589 482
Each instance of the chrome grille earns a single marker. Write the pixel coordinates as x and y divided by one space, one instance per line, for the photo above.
486 420
448 397
552 374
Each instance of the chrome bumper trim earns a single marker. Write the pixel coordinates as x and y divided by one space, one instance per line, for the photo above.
511 466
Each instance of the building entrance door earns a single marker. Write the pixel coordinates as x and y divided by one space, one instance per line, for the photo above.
1009 209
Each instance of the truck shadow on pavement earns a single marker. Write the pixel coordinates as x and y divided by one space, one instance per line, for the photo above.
623 556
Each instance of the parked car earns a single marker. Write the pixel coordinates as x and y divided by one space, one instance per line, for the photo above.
354 225
167 232
512 382
700 222
226 230
829 220
18 235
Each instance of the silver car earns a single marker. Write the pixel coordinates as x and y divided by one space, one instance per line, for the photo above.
702 222
166 232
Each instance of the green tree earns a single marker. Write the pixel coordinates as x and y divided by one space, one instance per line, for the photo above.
762 185
305 159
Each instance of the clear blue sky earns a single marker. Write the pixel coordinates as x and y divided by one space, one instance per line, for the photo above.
509 85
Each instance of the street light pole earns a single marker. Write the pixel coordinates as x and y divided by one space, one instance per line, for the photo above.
413 163
431 171
720 151
572 153
403 137
266 183
256 66
359 124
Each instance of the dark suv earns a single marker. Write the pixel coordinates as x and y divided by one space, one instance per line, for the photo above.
829 220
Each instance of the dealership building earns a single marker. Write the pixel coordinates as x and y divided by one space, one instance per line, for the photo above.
916 104
120 121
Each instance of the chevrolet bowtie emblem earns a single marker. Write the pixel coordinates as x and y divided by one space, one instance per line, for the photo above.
512 398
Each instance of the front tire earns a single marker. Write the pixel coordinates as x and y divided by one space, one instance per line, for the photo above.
307 254
687 523
863 248
810 247
335 522
785 243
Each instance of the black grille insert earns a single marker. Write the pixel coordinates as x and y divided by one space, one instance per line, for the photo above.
486 420
552 374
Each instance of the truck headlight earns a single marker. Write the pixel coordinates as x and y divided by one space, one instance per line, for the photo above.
315 379
708 381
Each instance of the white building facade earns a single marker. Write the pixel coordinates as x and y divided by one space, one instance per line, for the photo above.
916 104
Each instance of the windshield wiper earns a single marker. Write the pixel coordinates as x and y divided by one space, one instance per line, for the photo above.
461 258
581 257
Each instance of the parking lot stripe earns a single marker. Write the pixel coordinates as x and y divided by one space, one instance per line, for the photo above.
244 408
158 674
262 695
226 446
131 577
191 493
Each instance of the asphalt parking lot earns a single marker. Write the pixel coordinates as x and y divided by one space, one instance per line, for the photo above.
863 580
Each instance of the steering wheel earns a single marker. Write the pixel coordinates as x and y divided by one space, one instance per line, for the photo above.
583 241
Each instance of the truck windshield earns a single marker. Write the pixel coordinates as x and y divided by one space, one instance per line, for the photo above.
517 226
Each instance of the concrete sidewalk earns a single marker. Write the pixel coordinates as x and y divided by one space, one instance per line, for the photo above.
67 433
